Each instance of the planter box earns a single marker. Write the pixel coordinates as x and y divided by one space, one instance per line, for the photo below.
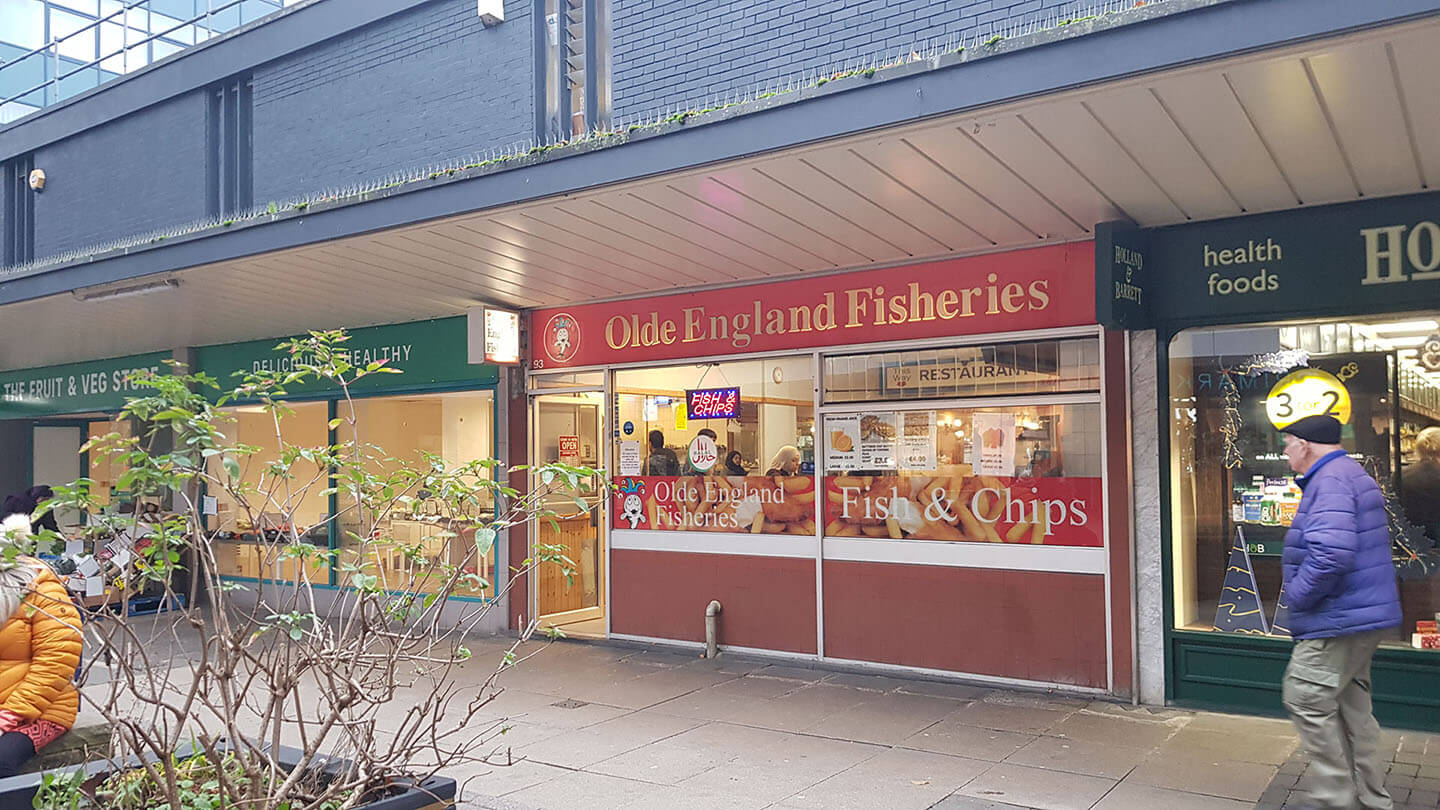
436 793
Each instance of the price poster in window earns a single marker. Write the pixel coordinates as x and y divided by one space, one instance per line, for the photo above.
878 441
917 440
842 445
994 440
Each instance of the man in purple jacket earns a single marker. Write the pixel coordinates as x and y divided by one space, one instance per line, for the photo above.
1340 587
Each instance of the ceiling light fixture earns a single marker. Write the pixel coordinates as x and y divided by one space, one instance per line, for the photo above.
127 291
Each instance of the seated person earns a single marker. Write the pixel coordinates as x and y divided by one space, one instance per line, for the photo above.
786 462
40 646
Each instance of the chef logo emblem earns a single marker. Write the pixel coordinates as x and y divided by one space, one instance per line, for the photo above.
562 337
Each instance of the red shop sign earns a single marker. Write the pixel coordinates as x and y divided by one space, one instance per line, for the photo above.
1002 292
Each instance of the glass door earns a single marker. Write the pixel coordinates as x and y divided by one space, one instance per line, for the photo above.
568 428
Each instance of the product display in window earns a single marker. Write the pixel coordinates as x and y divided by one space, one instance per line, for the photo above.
1232 391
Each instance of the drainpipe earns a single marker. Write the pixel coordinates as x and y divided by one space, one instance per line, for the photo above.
712 613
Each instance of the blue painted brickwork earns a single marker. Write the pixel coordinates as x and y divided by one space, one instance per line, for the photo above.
141 173
675 53
426 86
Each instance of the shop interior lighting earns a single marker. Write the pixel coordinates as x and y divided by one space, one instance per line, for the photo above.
1405 326
1399 342
125 291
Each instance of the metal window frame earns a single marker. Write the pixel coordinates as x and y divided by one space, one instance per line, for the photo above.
51 85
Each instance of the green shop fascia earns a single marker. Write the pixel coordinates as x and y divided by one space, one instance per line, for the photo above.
1260 320
45 413
436 382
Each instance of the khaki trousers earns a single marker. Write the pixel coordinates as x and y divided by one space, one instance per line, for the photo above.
1327 691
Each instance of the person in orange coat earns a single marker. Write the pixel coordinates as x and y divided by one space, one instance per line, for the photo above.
40 645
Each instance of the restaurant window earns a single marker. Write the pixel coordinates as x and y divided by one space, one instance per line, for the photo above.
1233 495
722 447
253 529
1003 461
412 550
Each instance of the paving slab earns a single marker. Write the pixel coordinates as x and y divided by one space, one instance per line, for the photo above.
1011 717
1107 760
724 701
688 754
1097 727
594 791
1038 788
594 744
884 718
958 739
800 708
782 768
1205 773
897 778
1128 796
1264 749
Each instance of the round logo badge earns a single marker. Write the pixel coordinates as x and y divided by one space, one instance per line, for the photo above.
562 337
703 453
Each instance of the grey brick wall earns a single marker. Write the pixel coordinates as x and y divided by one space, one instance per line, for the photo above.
141 173
429 85
674 53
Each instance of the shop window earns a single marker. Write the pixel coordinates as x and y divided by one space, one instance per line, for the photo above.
1233 495
1014 474
697 447
254 527
411 551
1052 366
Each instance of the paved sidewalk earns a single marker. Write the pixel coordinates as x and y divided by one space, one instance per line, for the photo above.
599 727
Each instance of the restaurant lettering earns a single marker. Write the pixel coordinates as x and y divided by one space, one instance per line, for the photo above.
1030 289
864 306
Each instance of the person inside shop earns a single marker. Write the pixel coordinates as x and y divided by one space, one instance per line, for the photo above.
734 464
25 503
662 460
1420 483
1339 584
786 462
40 646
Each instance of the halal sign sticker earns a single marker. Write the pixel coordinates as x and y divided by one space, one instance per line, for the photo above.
1307 392
703 453
562 337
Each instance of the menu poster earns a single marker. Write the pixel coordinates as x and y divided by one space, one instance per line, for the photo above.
917 440
630 458
994 443
878 446
842 448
